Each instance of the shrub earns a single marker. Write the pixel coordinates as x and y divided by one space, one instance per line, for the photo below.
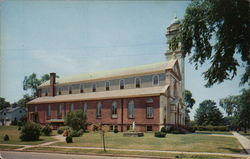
46 130
163 129
116 131
160 134
76 120
19 128
69 139
61 129
210 128
6 137
13 122
177 132
30 132
75 133
95 127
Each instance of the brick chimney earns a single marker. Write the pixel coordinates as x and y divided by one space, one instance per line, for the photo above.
52 84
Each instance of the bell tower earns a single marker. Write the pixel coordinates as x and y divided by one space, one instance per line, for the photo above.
172 31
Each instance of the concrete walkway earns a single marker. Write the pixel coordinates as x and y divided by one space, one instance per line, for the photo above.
245 142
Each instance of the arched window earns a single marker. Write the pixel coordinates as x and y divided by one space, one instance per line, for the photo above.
59 91
59 110
85 108
99 110
107 85
49 111
155 80
81 89
122 84
93 87
72 107
35 108
70 90
137 83
114 109
131 109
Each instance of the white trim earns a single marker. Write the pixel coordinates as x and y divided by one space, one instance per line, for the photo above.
106 85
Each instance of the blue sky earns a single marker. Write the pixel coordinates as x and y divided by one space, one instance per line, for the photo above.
72 37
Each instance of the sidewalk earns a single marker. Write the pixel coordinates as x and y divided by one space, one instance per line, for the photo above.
245 142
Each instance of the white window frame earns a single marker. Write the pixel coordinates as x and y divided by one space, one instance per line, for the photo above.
114 109
106 85
49 110
131 113
99 110
139 82
153 80
72 107
85 108
92 87
123 83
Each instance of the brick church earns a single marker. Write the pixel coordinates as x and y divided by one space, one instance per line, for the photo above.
150 95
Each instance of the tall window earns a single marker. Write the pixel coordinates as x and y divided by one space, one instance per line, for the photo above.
70 90
114 109
122 84
137 83
71 107
35 108
175 89
81 89
155 80
85 108
46 91
49 111
107 86
93 87
149 112
99 110
59 110
59 91
131 109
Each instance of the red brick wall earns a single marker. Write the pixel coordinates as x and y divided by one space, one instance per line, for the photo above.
140 112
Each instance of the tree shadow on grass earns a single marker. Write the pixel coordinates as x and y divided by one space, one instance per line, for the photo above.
232 150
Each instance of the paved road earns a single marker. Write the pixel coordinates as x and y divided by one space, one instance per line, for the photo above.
35 155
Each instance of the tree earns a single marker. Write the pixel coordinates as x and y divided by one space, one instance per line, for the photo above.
244 110
31 82
208 114
230 105
216 31
76 120
189 102
3 103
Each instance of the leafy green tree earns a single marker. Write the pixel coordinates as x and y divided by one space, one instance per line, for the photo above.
208 114
216 31
189 102
230 105
76 120
244 110
3 103
31 82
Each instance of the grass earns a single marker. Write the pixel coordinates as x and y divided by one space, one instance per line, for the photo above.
215 132
14 133
172 142
7 147
129 153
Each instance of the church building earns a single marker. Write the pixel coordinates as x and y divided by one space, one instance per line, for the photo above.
149 95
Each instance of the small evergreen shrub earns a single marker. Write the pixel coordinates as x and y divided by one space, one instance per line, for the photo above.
30 132
75 133
116 131
6 137
163 129
160 134
62 128
69 139
19 128
47 130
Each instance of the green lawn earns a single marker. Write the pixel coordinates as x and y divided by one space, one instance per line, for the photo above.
3 147
14 134
175 142
215 132
128 153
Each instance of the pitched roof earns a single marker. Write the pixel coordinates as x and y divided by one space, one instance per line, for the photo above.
10 109
115 94
154 67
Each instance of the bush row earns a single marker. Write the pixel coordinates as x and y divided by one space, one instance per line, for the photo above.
210 128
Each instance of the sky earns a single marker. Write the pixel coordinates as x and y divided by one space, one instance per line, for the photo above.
73 37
